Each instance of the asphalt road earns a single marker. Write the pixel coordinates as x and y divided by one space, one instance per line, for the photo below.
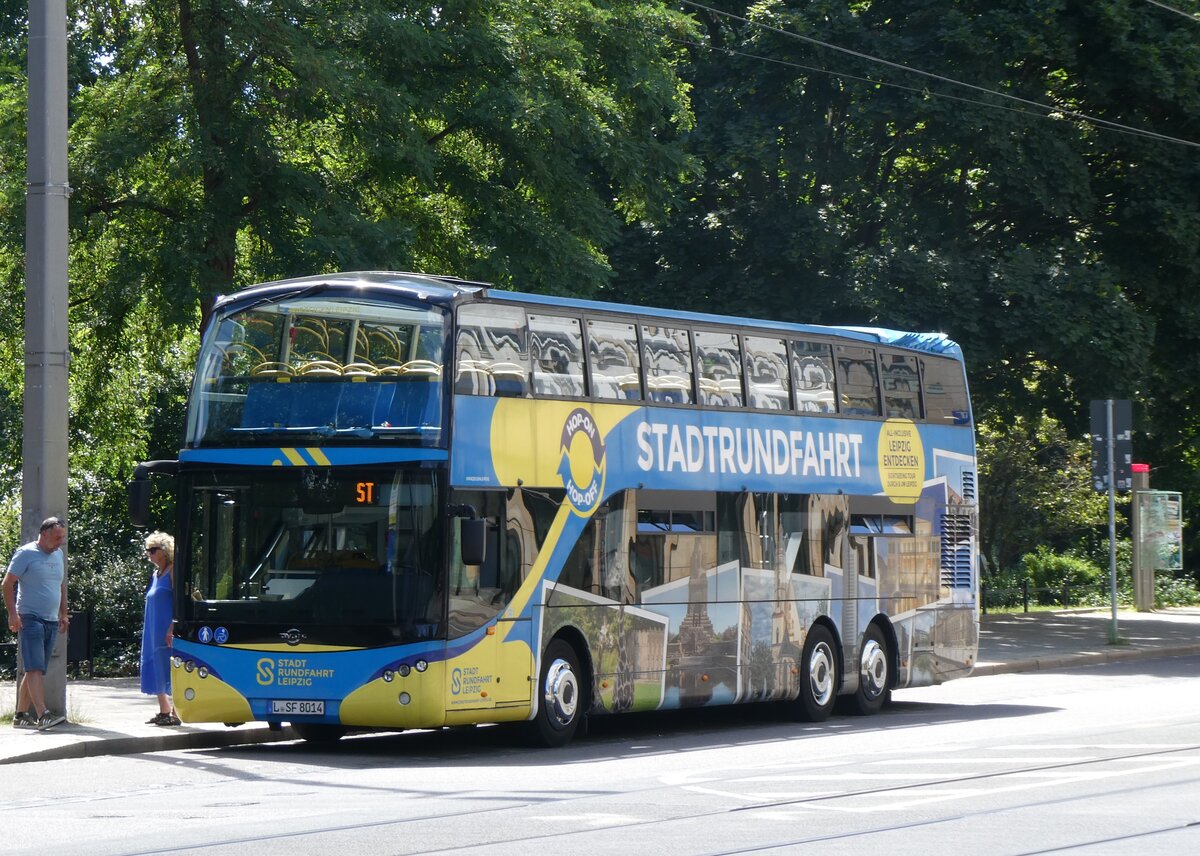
1097 760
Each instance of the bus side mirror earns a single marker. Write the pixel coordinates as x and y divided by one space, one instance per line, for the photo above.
473 541
139 489
139 503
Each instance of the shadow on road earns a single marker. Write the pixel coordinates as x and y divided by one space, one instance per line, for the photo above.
629 735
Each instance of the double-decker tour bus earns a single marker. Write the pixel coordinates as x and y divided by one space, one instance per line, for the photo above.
408 501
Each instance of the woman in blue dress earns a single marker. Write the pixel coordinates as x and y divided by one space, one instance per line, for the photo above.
158 628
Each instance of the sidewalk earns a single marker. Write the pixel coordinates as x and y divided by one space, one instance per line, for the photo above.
106 717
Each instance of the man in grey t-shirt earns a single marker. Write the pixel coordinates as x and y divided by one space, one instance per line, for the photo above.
35 595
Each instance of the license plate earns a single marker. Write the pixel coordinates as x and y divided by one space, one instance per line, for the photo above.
292 707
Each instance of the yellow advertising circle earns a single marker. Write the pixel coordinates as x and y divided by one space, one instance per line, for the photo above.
901 460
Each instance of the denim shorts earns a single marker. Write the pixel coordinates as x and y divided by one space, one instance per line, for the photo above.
37 642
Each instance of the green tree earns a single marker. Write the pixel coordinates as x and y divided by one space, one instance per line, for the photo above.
499 140
214 143
1061 252
1035 480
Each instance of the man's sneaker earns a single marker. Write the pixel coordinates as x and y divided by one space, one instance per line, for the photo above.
49 720
24 719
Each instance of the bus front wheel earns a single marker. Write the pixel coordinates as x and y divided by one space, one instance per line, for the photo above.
560 697
818 676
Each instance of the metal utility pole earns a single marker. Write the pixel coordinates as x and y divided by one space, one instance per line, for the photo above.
44 442
1110 447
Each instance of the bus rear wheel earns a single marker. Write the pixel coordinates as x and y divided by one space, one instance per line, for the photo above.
318 732
560 697
818 677
875 675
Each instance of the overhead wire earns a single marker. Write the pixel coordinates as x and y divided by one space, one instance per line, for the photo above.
1191 16
1048 110
916 90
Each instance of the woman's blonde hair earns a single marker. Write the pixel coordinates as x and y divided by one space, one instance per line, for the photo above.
164 542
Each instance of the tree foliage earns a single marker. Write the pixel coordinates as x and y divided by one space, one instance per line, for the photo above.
1036 487
745 158
1061 250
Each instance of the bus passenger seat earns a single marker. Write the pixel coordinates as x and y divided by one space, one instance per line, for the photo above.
474 381
267 404
508 379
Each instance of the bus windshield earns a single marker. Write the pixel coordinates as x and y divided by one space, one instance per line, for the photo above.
306 370
312 547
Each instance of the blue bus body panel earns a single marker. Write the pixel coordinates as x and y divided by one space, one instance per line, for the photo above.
310 456
547 444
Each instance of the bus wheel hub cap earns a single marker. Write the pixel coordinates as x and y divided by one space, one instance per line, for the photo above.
874 668
562 692
820 674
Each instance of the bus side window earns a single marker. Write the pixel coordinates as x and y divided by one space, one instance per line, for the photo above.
858 381
479 592
668 364
557 349
945 390
767 373
720 366
901 387
492 351
614 365
812 377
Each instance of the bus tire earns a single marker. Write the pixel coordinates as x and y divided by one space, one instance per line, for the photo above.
560 697
818 676
875 673
318 732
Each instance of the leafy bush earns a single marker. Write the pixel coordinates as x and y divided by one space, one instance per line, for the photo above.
1170 590
1005 589
1046 569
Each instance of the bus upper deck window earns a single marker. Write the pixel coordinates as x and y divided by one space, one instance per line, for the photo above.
901 387
492 351
720 368
812 377
767 373
668 364
613 361
556 346
858 381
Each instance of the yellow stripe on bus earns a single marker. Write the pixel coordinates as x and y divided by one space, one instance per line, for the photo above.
534 581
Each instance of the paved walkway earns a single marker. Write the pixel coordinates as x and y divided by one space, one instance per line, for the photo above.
106 717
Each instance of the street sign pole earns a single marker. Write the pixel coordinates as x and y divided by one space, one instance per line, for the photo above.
1112 470
1113 636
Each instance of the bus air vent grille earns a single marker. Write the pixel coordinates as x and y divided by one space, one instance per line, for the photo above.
958 550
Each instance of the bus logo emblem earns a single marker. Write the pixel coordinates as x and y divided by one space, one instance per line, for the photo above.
582 464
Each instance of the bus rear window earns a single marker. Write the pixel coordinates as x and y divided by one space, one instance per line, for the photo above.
945 390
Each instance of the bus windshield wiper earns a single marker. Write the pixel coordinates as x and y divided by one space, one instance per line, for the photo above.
267 430
268 299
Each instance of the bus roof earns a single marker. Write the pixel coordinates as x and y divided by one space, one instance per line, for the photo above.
446 291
